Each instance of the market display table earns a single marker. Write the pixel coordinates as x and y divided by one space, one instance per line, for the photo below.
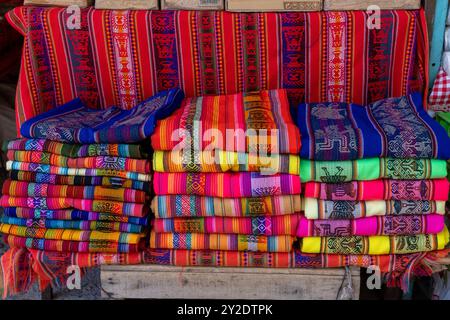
122 57
157 282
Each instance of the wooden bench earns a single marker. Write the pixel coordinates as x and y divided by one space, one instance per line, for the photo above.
163 282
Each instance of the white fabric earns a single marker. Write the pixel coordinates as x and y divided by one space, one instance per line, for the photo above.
447 39
446 62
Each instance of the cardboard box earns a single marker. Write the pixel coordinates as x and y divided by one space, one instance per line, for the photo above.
192 5
127 4
364 4
273 5
60 3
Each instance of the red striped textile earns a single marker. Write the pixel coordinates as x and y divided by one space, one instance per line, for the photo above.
122 57
98 162
106 206
29 189
258 121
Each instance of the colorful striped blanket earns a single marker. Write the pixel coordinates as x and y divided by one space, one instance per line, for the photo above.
29 189
372 226
99 162
173 206
223 161
340 131
77 150
107 206
372 169
64 171
226 185
69 235
329 209
436 189
232 242
104 226
76 215
375 245
113 182
264 225
245 122
72 246
73 122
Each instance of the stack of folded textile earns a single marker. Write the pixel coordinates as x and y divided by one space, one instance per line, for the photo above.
78 182
227 175
375 178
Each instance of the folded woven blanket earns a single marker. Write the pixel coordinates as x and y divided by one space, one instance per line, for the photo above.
375 245
371 226
223 161
70 235
64 171
173 206
99 162
113 182
29 213
329 209
226 185
77 150
233 242
386 189
264 225
372 169
390 128
104 226
106 206
30 189
75 123
72 246
244 122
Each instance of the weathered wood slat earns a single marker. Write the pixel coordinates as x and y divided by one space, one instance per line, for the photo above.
60 3
192 5
159 282
273 5
363 5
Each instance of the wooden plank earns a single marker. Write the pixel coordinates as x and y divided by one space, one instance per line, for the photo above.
162 282
273 5
127 4
192 5
363 5
61 3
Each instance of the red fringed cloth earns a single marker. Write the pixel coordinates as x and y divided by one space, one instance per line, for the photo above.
122 57
21 268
